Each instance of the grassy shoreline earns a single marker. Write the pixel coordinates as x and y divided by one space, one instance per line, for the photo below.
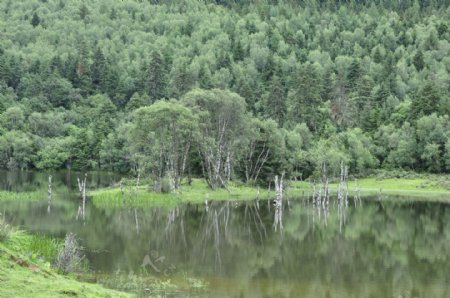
422 189
20 276
25 196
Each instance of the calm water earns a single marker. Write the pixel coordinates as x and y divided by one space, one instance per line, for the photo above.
373 249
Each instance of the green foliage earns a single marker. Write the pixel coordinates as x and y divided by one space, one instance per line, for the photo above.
161 137
23 271
44 247
418 60
426 101
357 75
35 20
54 153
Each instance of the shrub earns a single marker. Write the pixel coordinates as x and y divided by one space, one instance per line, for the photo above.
166 185
70 257
5 229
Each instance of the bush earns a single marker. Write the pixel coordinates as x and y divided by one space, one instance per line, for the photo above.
70 257
166 185
5 229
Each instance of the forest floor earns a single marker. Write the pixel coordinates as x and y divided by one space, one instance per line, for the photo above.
21 277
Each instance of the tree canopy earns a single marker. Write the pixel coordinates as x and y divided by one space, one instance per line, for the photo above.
225 89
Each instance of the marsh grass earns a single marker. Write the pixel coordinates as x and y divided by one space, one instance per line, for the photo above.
197 192
411 188
45 247
39 248
22 196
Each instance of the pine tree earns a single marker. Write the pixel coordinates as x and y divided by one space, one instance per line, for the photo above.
304 99
204 77
98 68
354 74
109 81
83 12
238 51
35 20
4 69
275 103
56 64
156 77
269 69
83 79
426 101
418 62
377 56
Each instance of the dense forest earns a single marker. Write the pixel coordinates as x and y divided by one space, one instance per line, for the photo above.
225 89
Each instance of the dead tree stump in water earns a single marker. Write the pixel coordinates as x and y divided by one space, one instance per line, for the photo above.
278 202
49 193
82 189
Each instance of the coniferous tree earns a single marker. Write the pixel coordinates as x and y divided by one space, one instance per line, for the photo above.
418 60
275 103
35 20
98 68
304 99
354 75
156 77
426 101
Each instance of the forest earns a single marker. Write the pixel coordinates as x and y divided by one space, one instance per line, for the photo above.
225 90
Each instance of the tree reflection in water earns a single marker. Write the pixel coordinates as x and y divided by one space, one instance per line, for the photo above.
376 249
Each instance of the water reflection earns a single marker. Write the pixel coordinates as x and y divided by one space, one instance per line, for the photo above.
319 248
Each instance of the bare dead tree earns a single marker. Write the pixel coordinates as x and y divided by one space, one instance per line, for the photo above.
49 193
136 221
82 189
138 179
278 202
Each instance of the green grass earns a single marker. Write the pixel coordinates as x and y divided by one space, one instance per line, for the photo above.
44 247
420 188
23 196
433 188
20 276
198 192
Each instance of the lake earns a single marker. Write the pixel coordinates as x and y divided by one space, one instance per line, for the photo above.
370 248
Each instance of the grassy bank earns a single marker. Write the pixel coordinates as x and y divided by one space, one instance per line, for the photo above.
424 188
25 271
412 186
197 192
